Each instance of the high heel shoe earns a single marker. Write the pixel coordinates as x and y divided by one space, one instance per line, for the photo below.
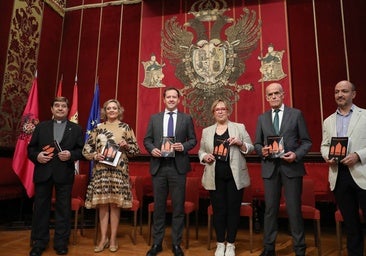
113 248
101 248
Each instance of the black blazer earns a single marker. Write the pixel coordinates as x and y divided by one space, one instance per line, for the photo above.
61 171
184 133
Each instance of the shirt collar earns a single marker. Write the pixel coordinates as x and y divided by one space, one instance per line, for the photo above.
281 108
174 111
59 121
350 111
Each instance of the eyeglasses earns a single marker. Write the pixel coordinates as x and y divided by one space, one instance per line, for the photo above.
220 109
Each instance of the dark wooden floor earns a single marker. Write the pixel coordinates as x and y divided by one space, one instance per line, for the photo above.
15 233
16 243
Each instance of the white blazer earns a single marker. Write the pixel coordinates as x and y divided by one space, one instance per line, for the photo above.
357 143
237 160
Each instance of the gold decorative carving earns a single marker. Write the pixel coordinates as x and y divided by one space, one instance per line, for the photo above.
208 65
58 5
20 66
103 4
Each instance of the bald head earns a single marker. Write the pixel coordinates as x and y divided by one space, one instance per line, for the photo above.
274 86
344 93
346 83
274 95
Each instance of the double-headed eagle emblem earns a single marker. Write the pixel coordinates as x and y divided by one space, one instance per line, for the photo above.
208 65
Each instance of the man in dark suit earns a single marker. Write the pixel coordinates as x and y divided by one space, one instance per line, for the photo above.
286 170
169 173
54 169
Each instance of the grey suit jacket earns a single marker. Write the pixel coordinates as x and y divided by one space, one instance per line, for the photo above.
184 133
357 143
296 139
237 160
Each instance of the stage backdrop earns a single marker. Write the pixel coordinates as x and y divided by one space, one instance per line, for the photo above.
265 60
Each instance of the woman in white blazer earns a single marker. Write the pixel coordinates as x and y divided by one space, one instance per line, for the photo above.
222 150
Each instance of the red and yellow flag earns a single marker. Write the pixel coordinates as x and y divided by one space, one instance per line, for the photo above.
73 114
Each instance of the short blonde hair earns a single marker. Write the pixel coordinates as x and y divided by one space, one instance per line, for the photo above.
103 112
214 104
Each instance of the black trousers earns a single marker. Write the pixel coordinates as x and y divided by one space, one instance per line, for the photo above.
226 202
41 214
350 198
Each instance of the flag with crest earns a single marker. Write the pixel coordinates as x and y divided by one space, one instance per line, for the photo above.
22 166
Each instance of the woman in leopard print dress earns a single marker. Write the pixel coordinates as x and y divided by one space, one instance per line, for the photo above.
109 188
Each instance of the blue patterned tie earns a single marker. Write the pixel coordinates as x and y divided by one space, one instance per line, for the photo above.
276 122
170 125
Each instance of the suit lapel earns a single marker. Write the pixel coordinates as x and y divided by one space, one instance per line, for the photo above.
179 123
161 124
333 122
268 121
353 122
211 134
232 130
68 130
49 131
285 118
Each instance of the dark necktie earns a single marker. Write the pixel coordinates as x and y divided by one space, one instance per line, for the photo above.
276 122
170 125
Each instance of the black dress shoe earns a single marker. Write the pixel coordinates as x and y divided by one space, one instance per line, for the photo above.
154 250
267 253
177 250
36 251
61 251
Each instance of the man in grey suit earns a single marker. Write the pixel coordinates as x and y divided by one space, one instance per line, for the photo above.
347 177
286 170
169 172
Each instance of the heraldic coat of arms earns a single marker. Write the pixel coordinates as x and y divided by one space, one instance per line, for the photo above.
206 64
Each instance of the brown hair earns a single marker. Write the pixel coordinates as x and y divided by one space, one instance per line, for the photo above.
171 89
60 99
